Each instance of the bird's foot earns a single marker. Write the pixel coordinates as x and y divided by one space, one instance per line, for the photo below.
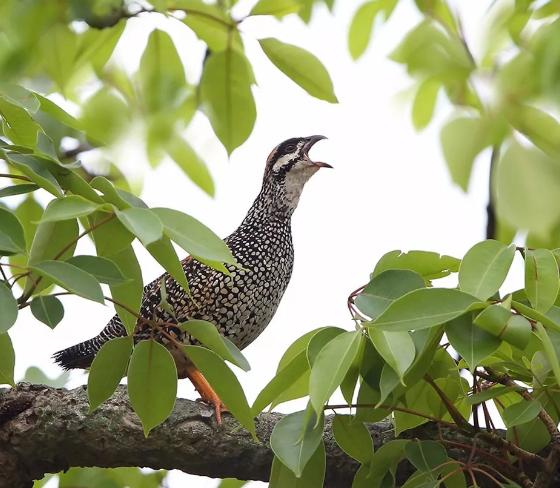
206 392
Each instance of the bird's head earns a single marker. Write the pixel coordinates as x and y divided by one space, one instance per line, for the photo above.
290 167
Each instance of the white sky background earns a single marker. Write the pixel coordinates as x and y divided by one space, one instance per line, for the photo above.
389 188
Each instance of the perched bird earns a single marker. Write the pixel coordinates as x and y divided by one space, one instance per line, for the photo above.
241 303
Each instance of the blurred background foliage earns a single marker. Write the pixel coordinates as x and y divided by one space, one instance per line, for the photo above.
64 98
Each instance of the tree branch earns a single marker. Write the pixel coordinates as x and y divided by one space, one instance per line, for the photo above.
46 430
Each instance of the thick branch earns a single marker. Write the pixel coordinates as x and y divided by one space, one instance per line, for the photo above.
46 430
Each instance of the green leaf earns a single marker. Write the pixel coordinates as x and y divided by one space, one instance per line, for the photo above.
285 377
425 455
143 223
193 236
425 103
296 437
528 171
104 116
211 24
540 127
548 349
20 96
541 278
37 170
232 483
320 340
424 308
386 287
161 74
9 191
359 34
207 333
471 342
110 235
301 67
130 292
278 8
8 308
521 412
105 270
51 238
485 267
17 124
66 208
47 309
12 238
189 161
164 253
462 139
226 97
224 383
429 265
57 113
396 348
7 360
108 368
28 212
330 367
313 474
489 394
70 278
353 438
152 383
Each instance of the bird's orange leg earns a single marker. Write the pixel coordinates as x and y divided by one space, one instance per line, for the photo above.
206 392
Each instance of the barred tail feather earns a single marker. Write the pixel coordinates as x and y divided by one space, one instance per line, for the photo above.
81 355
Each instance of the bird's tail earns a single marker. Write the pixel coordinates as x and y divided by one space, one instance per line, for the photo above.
81 355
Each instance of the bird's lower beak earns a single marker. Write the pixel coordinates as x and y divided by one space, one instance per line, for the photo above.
311 141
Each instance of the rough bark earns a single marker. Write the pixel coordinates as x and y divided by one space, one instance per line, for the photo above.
46 430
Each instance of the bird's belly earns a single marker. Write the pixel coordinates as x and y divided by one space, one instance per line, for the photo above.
244 302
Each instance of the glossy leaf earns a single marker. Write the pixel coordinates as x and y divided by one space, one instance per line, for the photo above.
224 382
353 438
66 208
53 240
211 24
485 267
47 309
296 437
384 288
105 270
424 308
312 476
8 308
9 191
108 368
396 348
143 223
283 379
12 238
18 125
226 97
7 360
193 236
207 333
471 342
541 278
164 253
330 367
37 171
302 67
70 278
425 455
429 265
152 383
521 412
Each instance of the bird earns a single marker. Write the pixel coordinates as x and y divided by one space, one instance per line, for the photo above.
241 302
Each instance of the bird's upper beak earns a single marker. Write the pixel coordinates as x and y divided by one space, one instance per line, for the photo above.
311 141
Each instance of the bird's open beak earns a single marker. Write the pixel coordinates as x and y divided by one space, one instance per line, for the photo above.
311 141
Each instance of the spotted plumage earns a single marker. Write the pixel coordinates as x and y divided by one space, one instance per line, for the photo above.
242 302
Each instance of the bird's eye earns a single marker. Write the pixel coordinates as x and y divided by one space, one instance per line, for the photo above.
290 148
